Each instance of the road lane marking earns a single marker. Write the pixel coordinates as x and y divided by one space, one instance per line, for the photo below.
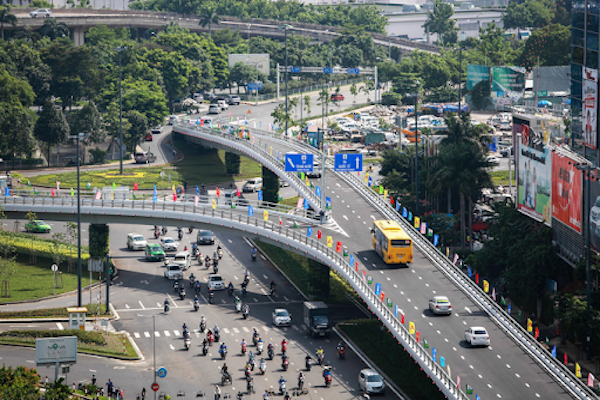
157 333
172 347
469 311
176 333
147 334
527 384
137 335
346 218
508 366
126 305
338 185
246 329
60 326
226 331
236 330
141 305
167 333
517 375
372 217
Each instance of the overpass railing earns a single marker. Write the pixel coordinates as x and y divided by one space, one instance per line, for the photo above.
560 373
256 152
295 239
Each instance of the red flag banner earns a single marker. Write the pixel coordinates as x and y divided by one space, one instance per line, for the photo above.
318 234
477 278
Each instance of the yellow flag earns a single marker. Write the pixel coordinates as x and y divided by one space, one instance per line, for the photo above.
266 215
529 325
214 204
417 222
271 150
366 177
385 193
411 328
174 189
577 370
447 252
329 241
486 286
307 182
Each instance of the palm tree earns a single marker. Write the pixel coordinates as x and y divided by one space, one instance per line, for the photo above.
27 34
6 18
53 29
208 17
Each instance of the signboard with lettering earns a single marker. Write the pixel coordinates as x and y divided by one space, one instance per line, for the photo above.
566 191
57 349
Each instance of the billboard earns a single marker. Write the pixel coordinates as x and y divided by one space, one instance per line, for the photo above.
589 111
508 81
476 74
534 184
566 191
594 211
57 349
258 61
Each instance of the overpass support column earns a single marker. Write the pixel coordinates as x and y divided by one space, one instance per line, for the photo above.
78 38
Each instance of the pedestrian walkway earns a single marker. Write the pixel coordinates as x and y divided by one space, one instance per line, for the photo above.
176 334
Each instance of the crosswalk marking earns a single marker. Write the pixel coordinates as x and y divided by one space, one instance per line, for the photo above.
226 331
157 333
266 329
60 326
246 329
176 333
137 335
236 330
167 333
146 334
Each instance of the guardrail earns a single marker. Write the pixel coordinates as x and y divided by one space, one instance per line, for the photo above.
294 239
560 373
255 152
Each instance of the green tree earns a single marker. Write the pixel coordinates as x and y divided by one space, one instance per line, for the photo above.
354 92
307 104
99 240
209 16
529 14
232 163
480 95
497 48
15 91
53 29
16 128
88 119
138 126
280 116
243 74
6 18
58 390
19 383
24 62
551 44
440 21
51 127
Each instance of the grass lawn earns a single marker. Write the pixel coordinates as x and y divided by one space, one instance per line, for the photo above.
29 281
292 201
501 177
381 347
200 165
51 312
89 342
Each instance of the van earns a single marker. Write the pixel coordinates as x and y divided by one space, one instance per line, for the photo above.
253 185
144 157
183 259
135 241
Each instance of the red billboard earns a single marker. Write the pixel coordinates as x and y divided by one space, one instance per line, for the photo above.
566 191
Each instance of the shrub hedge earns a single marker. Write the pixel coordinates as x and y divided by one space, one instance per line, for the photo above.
25 242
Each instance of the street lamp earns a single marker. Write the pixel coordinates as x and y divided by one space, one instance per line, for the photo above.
78 137
119 49
460 81
586 171
153 346
286 27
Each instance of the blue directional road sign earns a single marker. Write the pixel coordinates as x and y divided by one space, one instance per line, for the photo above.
254 85
348 162
299 162
328 70
353 70
162 372
295 69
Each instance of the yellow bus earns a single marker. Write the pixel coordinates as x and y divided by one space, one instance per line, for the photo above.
391 242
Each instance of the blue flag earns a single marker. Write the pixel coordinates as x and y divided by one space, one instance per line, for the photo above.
433 353
469 271
260 124
377 289
436 239
197 190
404 212
396 311
6 191
260 196
154 189
318 191
328 202
410 215
442 362
370 181
397 206
250 211
509 308
306 205
351 260
308 231
477 397
554 351
277 155
154 197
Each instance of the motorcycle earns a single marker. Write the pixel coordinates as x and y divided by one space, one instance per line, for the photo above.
250 385
215 268
182 293
164 230
223 353
220 253
263 367
287 396
320 358
253 256
207 262
328 380
187 343
200 258
307 363
167 307
230 290
176 286
245 315
271 354
192 280
202 326
226 377
301 383
217 336
211 297
281 387
190 230
243 349
255 338
196 305
259 347
342 352
210 339
252 364
205 348
285 364
179 233
156 234
283 347
238 306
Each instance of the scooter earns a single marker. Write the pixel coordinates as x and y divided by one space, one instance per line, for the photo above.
167 308
202 326
253 256
176 286
238 306
249 385
187 343
223 353
182 293
270 354
179 233
191 230
320 358
196 305
211 297
285 364
342 352
205 349
244 349
192 280
220 253
156 234
301 383
263 367
215 268
282 387
164 230
217 336
245 315
307 363
259 348
327 380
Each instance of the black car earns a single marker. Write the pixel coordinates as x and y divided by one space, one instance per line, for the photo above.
206 237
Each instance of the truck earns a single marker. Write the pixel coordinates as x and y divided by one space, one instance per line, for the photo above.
316 318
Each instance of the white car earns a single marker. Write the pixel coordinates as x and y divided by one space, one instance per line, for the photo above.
173 271
215 282
370 381
440 305
493 160
477 336
135 241
214 109
183 259
168 243
281 317
223 104
253 185
41 12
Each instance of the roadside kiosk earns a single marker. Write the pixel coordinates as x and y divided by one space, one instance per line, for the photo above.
77 317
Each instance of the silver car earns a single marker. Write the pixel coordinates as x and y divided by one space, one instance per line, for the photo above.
477 336
41 12
440 305
370 381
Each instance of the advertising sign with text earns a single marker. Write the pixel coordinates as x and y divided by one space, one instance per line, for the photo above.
590 107
52 350
566 191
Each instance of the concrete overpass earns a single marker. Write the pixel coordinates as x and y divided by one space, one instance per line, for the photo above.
78 19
